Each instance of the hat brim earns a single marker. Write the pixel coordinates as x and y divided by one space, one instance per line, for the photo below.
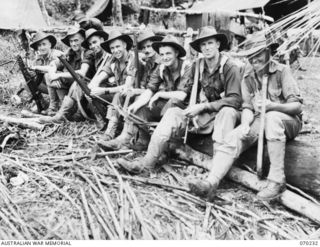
66 40
156 46
154 38
85 43
222 38
50 37
126 38
255 50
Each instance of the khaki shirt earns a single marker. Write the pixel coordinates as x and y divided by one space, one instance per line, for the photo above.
47 59
163 80
114 69
222 86
148 69
282 87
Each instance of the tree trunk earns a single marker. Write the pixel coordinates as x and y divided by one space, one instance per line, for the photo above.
302 160
117 13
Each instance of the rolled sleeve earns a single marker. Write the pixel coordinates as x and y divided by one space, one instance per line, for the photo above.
246 96
232 89
88 58
290 89
155 81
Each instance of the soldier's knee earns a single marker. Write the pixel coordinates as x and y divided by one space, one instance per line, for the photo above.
274 127
228 111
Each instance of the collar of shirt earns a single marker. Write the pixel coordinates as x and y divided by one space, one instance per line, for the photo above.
206 68
169 75
45 58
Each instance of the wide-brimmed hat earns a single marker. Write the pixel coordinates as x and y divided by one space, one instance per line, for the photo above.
93 32
238 29
145 35
41 36
210 32
115 34
72 31
255 43
169 40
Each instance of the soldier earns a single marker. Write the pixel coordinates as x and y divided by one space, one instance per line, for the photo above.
282 123
59 78
44 45
214 113
168 86
152 61
121 67
75 101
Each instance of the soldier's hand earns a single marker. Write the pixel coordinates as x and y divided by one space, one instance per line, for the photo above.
133 108
152 100
56 84
194 110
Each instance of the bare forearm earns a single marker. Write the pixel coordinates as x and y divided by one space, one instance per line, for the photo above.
292 108
173 95
95 82
144 98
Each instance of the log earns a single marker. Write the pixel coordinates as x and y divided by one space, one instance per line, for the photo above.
22 122
302 160
289 199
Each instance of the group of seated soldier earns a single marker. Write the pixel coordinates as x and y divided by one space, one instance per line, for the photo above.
228 103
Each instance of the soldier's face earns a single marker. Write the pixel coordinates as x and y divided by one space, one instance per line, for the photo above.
258 61
118 48
75 41
94 44
147 49
44 47
210 48
168 55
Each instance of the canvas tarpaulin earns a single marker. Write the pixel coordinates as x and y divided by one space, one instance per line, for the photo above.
21 14
227 5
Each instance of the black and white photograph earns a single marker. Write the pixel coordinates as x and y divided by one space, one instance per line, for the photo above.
159 120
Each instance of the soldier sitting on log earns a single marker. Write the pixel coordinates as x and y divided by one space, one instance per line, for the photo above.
121 67
282 122
44 45
212 113
74 104
59 78
152 61
168 86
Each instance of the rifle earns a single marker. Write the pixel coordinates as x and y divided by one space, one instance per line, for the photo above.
32 81
262 117
97 101
33 78
193 96
83 87
136 61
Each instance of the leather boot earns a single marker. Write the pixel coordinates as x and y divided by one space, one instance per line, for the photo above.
276 186
123 141
137 165
67 109
207 188
110 132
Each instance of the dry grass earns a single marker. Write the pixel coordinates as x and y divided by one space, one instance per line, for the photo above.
72 192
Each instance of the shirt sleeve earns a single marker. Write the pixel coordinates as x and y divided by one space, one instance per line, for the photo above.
247 94
232 87
290 88
155 80
186 79
88 58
